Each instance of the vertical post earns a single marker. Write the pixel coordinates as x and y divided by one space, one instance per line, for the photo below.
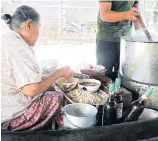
155 17
63 13
59 18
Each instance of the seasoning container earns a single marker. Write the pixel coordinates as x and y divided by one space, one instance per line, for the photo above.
110 115
137 107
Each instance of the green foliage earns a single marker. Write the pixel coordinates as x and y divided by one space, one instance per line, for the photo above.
92 25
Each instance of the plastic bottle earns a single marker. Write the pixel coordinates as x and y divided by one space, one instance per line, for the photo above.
110 115
118 98
138 106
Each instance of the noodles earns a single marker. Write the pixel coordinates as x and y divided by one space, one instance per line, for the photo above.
81 96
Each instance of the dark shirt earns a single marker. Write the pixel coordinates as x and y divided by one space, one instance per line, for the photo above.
112 31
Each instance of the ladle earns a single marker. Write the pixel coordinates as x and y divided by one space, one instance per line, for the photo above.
145 29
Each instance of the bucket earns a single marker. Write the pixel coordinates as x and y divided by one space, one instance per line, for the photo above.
79 115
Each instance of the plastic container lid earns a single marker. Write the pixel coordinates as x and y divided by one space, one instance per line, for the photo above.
112 87
118 82
148 92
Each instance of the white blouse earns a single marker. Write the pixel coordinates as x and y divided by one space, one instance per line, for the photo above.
18 68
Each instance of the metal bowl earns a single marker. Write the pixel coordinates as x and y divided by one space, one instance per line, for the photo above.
80 76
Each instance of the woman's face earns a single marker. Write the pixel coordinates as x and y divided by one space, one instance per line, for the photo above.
30 32
33 33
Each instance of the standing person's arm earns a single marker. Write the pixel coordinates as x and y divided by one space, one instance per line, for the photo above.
108 15
136 4
137 23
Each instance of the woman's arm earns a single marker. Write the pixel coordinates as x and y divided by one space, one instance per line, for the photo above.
108 15
40 87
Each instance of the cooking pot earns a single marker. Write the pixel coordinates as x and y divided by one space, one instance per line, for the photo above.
139 61
79 115
139 67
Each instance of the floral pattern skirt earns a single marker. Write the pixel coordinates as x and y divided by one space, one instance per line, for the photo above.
39 113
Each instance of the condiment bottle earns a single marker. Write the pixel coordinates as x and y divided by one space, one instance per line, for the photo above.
118 86
138 106
110 115
111 91
118 98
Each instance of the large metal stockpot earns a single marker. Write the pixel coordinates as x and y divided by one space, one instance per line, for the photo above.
139 67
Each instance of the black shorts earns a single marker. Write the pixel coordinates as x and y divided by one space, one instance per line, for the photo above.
108 55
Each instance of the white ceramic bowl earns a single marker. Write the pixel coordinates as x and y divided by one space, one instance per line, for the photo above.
90 88
62 81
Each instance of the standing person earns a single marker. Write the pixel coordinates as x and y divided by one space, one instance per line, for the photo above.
114 21
26 103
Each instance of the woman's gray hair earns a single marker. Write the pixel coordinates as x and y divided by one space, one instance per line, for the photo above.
21 14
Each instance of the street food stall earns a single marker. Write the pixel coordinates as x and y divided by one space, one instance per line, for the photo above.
98 106
72 125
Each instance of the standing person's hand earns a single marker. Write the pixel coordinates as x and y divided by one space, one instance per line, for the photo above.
137 25
66 72
132 14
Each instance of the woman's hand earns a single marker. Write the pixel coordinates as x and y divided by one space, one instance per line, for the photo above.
132 14
66 72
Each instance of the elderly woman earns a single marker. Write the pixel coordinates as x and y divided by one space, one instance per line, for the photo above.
25 104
